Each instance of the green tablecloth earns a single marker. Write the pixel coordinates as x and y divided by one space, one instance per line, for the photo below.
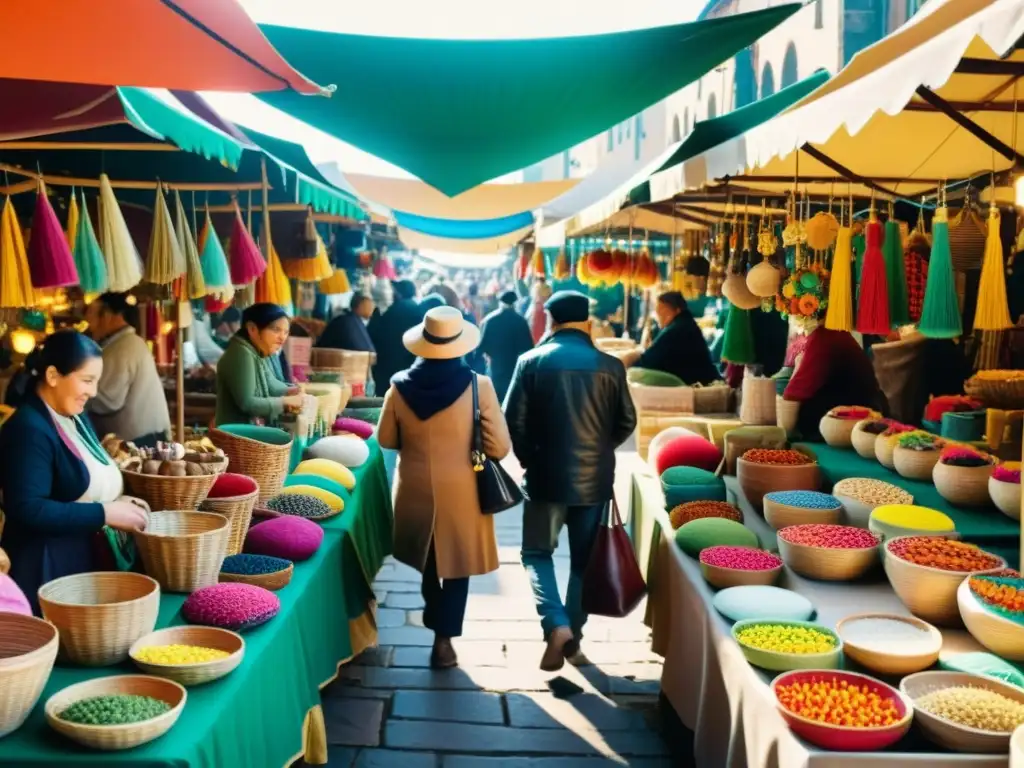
253 717
987 527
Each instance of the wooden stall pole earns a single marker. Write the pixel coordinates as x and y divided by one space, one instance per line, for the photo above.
179 371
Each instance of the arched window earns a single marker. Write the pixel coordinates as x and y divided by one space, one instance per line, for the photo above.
789 67
767 81
712 107
744 84
676 133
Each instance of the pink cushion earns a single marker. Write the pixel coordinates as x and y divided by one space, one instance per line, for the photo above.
231 606
688 451
12 599
290 537
662 439
357 427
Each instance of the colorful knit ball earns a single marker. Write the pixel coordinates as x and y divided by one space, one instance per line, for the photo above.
289 537
231 484
349 451
804 499
357 427
688 451
231 606
253 565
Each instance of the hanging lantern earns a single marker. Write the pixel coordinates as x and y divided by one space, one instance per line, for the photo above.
873 297
16 290
124 268
49 255
839 316
23 341
993 311
244 257
940 315
92 269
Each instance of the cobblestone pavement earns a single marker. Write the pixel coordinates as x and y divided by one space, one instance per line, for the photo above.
498 708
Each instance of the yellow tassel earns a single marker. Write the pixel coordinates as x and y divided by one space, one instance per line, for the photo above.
310 270
16 290
336 283
71 232
840 290
993 312
273 286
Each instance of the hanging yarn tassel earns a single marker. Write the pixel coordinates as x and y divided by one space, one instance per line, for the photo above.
124 268
49 255
272 286
243 256
71 230
382 266
522 263
16 290
192 285
562 269
896 275
940 315
245 296
336 283
309 235
538 267
216 273
309 270
839 316
993 311
738 344
165 262
92 268
873 298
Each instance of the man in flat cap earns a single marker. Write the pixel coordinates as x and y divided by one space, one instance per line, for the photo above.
505 336
568 409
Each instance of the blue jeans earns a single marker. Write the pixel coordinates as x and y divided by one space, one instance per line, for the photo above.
444 601
542 524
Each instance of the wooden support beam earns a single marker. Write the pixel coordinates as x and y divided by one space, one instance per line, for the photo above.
969 125
839 168
75 181
964 106
122 146
972 66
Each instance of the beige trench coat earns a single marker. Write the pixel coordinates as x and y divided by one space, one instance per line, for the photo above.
435 492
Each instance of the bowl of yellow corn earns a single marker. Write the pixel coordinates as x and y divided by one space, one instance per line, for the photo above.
782 646
188 655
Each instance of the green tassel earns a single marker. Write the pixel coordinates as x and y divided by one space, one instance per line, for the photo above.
738 345
940 316
896 275
92 268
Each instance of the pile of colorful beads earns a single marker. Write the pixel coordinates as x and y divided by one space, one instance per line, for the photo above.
179 654
875 493
945 554
829 536
786 638
695 510
253 565
740 558
1002 592
778 456
117 709
837 702
919 440
974 707
231 606
804 499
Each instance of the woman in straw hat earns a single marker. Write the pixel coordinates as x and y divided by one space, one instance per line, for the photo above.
428 417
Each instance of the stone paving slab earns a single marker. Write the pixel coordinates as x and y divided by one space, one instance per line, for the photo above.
471 654
476 761
353 722
392 758
581 712
453 706
404 600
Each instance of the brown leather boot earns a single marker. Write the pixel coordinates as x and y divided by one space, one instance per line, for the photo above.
443 655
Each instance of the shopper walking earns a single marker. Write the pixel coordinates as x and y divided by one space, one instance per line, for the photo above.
428 418
568 409
505 335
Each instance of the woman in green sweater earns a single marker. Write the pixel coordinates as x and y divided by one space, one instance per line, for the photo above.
247 389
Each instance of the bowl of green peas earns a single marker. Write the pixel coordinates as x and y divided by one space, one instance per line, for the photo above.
119 712
783 646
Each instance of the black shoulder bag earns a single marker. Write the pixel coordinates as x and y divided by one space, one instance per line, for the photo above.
495 489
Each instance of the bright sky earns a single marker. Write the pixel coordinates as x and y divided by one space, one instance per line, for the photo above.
488 19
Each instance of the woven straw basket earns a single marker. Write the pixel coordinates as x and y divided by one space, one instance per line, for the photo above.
740 440
779 515
183 550
114 737
893 662
99 615
723 578
884 452
863 442
828 563
264 462
786 413
839 432
238 511
677 400
915 465
995 393
28 648
170 492
963 486
203 637
1002 636
755 480
757 401
272 581
1006 496
354 366
1017 748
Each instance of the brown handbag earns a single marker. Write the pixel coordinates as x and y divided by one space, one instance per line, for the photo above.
612 584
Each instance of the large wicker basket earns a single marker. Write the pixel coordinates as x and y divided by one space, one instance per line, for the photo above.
354 366
170 492
915 465
183 550
885 450
99 615
1007 394
963 486
262 453
237 509
675 400
28 648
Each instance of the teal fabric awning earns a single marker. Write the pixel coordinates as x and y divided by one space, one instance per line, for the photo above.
457 113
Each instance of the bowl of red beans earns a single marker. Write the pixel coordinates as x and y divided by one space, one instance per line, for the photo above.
729 566
764 470
829 552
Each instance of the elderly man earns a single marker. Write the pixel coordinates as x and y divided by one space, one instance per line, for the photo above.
505 337
347 330
568 409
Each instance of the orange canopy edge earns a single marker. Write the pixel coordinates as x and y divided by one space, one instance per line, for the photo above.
193 45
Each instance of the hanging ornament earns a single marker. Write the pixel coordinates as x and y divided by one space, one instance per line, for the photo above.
821 231
309 235
16 290
124 267
895 274
522 263
216 273
165 262
71 230
839 316
738 341
940 315
562 268
309 270
272 286
538 266
192 285
763 279
49 255
993 311
244 257
245 296
767 242
873 295
92 269
735 290
336 283
383 268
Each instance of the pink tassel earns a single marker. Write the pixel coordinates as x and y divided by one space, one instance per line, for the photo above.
873 298
244 256
383 268
49 255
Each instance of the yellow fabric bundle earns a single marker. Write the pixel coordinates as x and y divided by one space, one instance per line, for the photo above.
310 270
993 311
336 283
194 285
123 264
71 231
16 290
165 262
840 290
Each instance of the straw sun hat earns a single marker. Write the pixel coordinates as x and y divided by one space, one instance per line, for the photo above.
443 335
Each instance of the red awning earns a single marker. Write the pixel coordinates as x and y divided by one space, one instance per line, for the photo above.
192 45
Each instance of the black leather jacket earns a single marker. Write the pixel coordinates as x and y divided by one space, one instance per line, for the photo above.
568 408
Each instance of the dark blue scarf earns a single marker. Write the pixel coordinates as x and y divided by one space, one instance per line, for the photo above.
430 386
